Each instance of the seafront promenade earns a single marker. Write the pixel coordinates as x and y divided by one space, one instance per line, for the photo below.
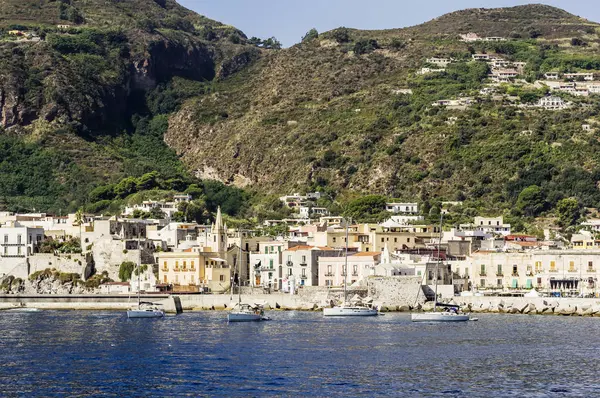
286 302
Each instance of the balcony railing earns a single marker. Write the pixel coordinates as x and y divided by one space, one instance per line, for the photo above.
303 277
572 270
500 274
165 269
289 263
553 270
529 273
329 274
591 270
482 274
303 264
515 274
355 274
539 271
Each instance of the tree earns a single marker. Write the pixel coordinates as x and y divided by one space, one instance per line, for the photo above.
568 212
126 187
367 208
148 181
341 35
156 214
125 270
272 43
530 201
576 41
365 46
310 35
397 44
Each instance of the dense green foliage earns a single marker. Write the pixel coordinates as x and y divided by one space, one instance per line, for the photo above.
125 270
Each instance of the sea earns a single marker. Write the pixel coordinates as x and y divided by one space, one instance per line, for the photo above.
79 353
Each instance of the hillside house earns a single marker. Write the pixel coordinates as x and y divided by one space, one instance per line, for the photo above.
16 33
63 27
482 57
593 88
402 208
579 76
439 61
504 75
494 38
551 75
425 71
553 103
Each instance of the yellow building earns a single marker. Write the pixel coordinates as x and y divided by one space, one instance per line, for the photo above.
193 269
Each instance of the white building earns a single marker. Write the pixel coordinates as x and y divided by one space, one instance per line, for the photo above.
553 103
488 225
577 76
332 270
302 262
402 208
439 61
551 75
17 245
425 71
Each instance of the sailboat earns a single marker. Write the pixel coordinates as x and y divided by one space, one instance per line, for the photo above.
144 309
450 312
349 309
245 312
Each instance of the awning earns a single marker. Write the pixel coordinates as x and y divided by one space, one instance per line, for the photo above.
218 259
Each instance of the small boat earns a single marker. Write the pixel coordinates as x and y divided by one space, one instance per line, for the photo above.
146 310
243 312
451 312
350 310
247 313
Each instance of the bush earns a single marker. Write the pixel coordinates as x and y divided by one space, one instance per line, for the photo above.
341 35
125 270
310 35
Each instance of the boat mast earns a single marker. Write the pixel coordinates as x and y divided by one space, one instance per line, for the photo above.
239 268
139 272
438 261
346 263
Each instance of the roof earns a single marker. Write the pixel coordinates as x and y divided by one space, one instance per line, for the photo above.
305 247
116 283
366 254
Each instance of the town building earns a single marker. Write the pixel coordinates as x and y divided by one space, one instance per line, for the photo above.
579 76
332 269
402 208
553 103
488 225
17 245
301 265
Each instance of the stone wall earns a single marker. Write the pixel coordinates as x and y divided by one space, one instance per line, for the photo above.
65 263
397 290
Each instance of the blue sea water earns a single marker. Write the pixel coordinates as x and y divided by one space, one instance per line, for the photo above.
68 353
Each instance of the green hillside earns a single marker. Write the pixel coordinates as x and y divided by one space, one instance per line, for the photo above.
132 87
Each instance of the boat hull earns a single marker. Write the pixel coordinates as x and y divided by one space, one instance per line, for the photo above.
341 311
439 317
145 314
242 317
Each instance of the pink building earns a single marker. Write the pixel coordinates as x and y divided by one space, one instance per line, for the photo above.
360 265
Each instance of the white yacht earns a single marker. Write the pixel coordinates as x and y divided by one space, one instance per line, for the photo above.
242 312
144 309
352 308
246 313
451 312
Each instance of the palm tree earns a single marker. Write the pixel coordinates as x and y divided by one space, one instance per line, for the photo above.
79 221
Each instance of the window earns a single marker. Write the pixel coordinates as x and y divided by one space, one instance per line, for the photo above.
222 278
289 258
5 250
184 264
192 264
343 270
328 282
304 272
355 270
499 272
165 279
30 239
395 240
482 272
303 259
176 264
552 265
538 265
289 271
5 238
466 272
571 265
19 250
590 264
18 239
515 270
271 263
165 265
334 239
482 282
499 282
329 269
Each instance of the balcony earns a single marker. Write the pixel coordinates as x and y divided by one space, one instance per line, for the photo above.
529 273
268 269
553 270
539 271
591 270
303 277
355 274
289 263
482 274
515 274
329 274
303 264
164 269
572 270
499 274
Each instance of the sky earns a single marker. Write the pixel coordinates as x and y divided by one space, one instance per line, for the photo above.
289 20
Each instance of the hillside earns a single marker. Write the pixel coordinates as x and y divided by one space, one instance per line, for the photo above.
86 108
83 85
333 113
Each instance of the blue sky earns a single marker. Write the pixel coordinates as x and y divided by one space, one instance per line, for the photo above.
288 20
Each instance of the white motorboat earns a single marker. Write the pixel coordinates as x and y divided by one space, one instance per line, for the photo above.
350 310
146 310
451 312
247 313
